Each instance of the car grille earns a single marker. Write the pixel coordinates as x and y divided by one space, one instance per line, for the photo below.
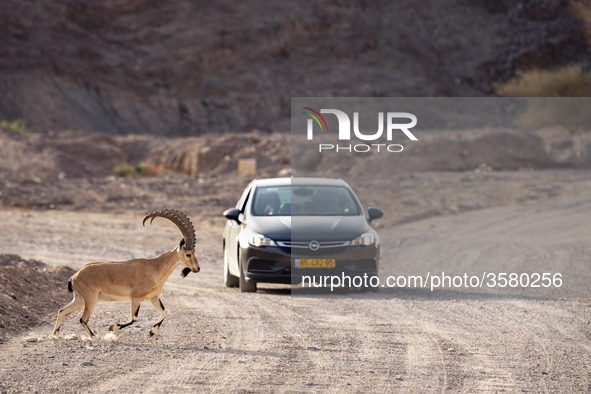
306 245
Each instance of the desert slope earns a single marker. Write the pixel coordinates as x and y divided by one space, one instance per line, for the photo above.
185 68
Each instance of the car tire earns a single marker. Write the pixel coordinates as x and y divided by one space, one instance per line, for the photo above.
369 288
373 289
245 287
229 279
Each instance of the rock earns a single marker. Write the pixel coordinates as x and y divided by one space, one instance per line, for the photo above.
32 339
87 364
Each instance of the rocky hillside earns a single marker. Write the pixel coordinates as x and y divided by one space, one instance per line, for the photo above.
183 67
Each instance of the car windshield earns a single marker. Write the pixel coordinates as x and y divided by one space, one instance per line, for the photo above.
304 201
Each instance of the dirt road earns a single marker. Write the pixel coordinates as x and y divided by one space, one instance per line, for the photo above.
403 340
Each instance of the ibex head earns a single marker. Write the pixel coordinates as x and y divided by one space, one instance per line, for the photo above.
186 248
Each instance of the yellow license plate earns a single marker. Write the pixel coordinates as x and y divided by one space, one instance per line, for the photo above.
314 263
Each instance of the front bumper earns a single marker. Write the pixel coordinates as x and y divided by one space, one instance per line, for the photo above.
274 264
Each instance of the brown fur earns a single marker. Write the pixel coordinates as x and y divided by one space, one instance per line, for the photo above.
134 280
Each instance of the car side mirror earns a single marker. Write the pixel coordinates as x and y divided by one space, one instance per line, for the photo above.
233 214
374 213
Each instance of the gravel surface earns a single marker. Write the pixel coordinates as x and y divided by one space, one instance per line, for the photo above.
409 340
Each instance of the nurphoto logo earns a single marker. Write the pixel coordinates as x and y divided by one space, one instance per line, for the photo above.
345 130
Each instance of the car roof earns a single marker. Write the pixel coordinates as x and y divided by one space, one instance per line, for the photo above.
300 181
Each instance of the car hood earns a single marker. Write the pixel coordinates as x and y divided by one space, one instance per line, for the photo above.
306 228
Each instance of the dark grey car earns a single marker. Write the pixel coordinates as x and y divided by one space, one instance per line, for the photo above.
285 228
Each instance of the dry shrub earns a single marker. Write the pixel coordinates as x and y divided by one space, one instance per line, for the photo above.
149 169
570 81
18 125
572 113
124 170
140 169
555 98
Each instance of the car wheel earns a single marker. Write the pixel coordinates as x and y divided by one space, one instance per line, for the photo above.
245 287
369 288
229 279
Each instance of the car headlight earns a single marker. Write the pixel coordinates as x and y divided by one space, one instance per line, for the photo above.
364 239
260 240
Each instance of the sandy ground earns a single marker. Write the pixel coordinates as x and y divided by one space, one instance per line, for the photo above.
404 340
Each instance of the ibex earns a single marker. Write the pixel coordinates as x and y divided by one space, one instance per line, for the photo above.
134 280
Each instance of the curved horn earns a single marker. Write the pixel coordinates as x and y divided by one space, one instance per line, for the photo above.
182 222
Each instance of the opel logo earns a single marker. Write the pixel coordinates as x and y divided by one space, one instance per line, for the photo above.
314 245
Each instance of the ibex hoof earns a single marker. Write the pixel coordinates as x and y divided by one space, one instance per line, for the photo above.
152 333
114 327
